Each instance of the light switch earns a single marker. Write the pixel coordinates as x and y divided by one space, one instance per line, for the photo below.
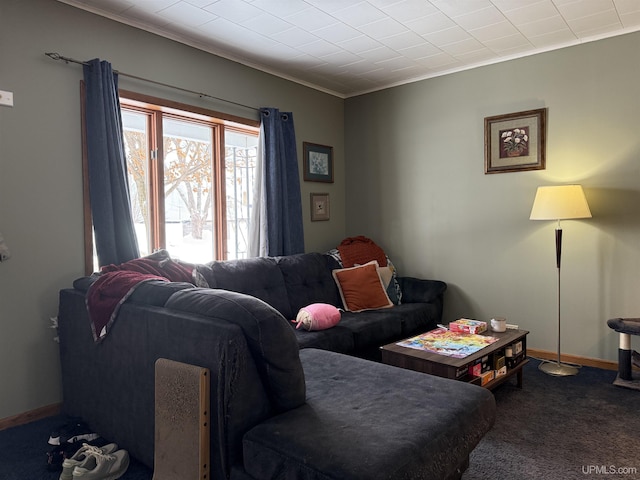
6 98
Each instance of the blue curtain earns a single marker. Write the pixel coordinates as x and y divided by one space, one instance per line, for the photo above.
108 187
278 184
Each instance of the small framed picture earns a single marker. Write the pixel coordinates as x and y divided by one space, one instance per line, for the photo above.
318 163
515 142
319 207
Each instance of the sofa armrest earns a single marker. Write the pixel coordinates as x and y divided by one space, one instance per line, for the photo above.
417 290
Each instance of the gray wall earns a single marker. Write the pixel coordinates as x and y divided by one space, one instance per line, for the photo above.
416 183
40 162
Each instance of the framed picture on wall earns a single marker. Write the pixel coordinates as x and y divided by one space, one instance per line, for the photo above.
319 207
515 142
318 163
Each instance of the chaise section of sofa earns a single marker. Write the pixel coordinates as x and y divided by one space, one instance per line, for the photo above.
369 420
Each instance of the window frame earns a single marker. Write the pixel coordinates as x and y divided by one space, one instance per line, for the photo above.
160 107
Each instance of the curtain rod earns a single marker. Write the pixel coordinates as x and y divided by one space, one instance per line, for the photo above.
57 56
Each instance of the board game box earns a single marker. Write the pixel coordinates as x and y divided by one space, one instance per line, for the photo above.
467 325
446 342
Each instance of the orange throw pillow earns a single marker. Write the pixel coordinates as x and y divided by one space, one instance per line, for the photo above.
361 288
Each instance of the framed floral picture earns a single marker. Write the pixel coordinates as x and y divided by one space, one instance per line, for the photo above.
515 142
318 163
319 207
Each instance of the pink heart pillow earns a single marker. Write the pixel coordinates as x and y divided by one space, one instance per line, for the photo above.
317 316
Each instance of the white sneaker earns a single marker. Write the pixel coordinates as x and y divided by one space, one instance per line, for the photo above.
81 457
103 467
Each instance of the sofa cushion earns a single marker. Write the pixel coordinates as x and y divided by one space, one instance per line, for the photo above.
361 287
271 340
368 420
417 317
308 280
372 328
259 277
337 339
393 287
156 292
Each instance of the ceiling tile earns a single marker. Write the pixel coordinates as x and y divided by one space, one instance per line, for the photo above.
383 28
266 24
393 63
407 10
359 14
337 32
449 35
405 39
560 37
311 19
541 27
359 44
476 56
232 10
480 18
340 59
183 12
419 51
202 3
439 60
360 67
630 20
294 37
583 8
603 21
528 12
430 23
379 54
281 8
454 8
627 6
510 43
491 32
319 48
463 47
332 6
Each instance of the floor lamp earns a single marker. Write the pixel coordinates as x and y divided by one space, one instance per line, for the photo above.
561 202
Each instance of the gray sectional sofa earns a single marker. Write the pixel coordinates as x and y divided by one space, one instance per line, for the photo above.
285 403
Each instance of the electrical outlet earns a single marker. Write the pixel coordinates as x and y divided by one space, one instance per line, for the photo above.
6 98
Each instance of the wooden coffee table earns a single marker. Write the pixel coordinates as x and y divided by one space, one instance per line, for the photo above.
458 368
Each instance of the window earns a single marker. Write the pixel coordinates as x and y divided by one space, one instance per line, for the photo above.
190 175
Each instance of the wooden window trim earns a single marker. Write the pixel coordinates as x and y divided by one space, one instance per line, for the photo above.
148 103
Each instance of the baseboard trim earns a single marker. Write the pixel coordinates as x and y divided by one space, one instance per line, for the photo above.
586 361
30 416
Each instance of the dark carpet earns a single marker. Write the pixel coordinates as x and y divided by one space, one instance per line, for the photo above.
561 428
580 427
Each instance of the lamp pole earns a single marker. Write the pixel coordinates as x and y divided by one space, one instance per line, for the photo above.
557 203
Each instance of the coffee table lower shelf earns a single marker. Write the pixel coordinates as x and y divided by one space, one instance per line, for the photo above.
517 370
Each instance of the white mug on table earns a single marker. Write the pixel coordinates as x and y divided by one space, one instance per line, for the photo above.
498 324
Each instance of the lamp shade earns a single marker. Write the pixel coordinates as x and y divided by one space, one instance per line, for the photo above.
560 202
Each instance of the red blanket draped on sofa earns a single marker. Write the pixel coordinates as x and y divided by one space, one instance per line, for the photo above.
116 283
